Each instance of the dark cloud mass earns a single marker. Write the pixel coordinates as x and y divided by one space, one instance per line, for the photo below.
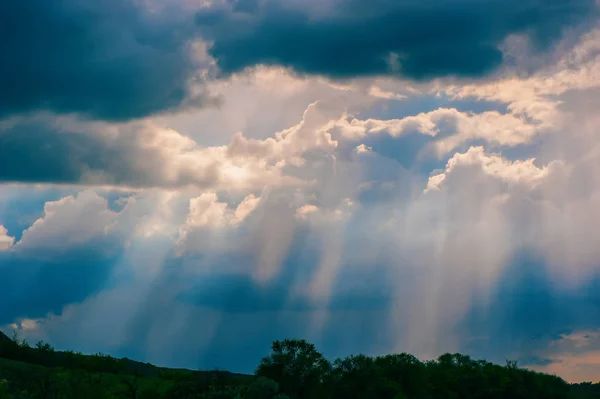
414 39
38 151
34 285
109 60
46 155
526 311
118 60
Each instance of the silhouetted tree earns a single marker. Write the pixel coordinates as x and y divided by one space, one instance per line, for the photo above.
299 369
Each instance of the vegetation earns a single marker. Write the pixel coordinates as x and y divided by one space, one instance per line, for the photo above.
293 370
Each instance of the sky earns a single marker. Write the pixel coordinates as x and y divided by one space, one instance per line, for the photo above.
183 182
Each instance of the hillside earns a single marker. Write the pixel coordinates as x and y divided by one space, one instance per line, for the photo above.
294 370
5 341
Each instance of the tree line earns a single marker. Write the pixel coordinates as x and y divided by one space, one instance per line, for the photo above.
294 369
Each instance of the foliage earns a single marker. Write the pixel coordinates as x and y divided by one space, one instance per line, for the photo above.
297 366
293 370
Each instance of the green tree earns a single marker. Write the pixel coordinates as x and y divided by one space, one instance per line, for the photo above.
261 388
299 369
132 387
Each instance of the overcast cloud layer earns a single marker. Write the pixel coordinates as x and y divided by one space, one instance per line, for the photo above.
113 60
413 39
184 183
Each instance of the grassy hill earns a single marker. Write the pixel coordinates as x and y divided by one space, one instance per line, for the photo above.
294 370
42 372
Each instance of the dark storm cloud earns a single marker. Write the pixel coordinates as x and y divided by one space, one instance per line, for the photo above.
528 303
33 152
526 311
33 285
41 151
109 59
358 37
36 153
239 292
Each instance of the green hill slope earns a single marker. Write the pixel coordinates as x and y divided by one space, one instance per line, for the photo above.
294 370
